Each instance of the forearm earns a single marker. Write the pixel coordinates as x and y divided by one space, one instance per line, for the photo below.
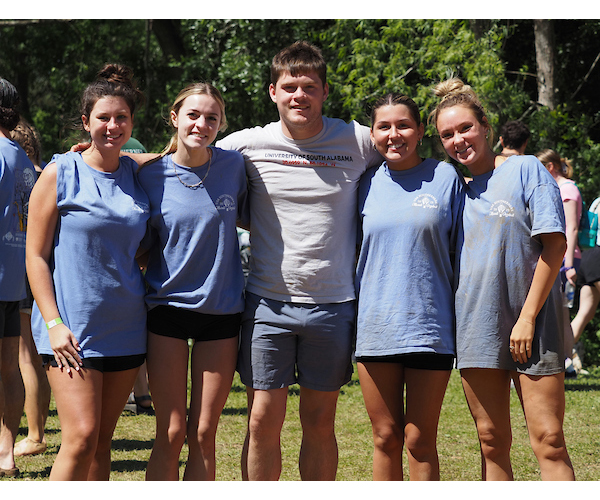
572 235
545 274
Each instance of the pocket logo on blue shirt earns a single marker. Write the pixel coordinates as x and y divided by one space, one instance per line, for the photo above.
502 208
225 202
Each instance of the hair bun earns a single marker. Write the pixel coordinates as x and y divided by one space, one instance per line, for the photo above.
451 86
116 73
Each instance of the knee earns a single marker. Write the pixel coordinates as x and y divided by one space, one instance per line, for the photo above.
549 444
420 446
388 439
494 442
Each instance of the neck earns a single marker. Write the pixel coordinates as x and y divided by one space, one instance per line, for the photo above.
4 133
102 161
510 152
301 133
193 158
487 164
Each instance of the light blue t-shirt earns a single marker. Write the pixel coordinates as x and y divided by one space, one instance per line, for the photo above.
505 212
98 285
194 259
404 277
17 176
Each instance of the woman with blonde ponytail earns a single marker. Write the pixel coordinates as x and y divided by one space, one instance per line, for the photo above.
508 302
197 194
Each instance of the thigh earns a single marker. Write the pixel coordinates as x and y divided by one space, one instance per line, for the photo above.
382 386
167 365
488 395
325 346
543 400
78 398
213 366
267 356
116 387
425 390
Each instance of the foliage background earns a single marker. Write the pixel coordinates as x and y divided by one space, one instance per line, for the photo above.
51 61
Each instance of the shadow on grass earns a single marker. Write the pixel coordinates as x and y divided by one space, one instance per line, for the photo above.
235 411
131 444
577 387
37 475
128 465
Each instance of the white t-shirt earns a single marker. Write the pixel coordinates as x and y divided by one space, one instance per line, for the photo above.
303 205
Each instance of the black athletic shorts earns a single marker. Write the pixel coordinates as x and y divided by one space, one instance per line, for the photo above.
10 319
589 270
104 364
184 324
416 361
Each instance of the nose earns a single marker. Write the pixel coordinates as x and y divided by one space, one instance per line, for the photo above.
299 93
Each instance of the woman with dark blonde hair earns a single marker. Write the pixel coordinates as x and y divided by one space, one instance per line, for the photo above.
508 303
197 194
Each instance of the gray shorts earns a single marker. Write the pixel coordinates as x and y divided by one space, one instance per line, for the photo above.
285 343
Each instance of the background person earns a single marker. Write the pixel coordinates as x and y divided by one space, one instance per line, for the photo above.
409 209
561 171
298 324
17 177
37 389
508 300
514 137
88 217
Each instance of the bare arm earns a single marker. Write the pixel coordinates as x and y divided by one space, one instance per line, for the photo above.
572 224
544 277
43 217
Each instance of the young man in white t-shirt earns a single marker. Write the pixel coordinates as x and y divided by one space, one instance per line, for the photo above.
298 325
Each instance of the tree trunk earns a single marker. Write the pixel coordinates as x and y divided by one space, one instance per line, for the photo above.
544 55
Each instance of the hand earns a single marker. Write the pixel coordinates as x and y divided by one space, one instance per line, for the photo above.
80 147
521 339
571 275
65 347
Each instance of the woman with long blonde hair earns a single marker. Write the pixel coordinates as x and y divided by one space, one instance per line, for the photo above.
197 194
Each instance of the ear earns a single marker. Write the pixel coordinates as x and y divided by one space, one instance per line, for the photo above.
421 131
326 91
174 118
272 94
86 125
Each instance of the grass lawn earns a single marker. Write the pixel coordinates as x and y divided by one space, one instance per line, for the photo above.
457 443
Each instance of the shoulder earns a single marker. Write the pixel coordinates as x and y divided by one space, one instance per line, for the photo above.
242 139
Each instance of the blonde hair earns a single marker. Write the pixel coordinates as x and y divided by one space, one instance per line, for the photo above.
550 156
199 88
454 92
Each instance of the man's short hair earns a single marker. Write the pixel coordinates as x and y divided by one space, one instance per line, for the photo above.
299 58
514 134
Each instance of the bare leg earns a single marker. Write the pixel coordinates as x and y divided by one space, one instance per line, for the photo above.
167 361
382 385
12 398
425 390
589 297
116 387
78 397
37 392
488 396
264 434
318 451
543 400
213 367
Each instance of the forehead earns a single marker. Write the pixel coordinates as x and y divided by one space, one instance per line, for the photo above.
308 78
110 103
455 115
393 112
201 102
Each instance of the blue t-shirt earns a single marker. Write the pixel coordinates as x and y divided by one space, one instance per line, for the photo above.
98 285
505 212
194 259
404 277
17 176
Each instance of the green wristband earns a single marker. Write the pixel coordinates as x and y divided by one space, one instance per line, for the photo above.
54 322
